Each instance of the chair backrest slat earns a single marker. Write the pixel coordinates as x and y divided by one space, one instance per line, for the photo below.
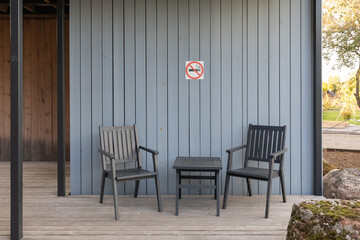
265 144
264 140
121 142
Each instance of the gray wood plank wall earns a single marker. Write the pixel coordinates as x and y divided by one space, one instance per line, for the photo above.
127 66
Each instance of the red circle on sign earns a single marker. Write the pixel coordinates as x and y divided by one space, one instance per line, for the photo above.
189 65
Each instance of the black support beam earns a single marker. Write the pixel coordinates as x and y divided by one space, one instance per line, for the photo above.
16 77
61 95
318 154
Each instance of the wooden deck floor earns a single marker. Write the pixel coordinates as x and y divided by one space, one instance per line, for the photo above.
47 216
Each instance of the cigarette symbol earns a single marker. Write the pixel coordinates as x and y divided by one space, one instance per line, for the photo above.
196 69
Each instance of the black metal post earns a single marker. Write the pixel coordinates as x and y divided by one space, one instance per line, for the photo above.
16 76
318 155
61 96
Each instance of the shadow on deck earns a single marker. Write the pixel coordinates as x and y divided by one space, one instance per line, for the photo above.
47 216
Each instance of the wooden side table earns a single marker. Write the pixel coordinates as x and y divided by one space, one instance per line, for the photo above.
197 164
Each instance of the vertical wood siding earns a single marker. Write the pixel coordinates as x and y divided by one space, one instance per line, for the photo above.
127 66
40 89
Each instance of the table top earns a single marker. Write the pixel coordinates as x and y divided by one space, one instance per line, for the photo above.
197 163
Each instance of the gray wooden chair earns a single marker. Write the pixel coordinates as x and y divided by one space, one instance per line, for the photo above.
264 144
121 145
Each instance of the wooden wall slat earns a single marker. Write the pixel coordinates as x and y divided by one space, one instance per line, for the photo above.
85 94
306 101
173 93
252 77
27 91
54 89
263 69
244 82
107 67
67 91
226 77
295 94
75 106
274 66
40 90
285 75
151 106
96 93
130 74
205 119
119 76
48 93
194 90
35 91
140 82
184 128
215 84
162 98
237 88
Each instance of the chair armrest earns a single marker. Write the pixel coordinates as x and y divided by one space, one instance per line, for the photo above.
154 152
231 150
230 155
278 153
109 155
154 156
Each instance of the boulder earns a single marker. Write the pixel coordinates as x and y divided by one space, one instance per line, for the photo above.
342 184
330 219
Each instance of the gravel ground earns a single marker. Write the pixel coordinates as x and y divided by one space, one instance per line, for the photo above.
345 141
342 159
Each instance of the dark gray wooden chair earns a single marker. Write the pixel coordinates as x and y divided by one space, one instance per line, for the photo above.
264 144
121 145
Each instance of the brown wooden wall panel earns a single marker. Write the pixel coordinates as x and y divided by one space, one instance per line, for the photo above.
40 89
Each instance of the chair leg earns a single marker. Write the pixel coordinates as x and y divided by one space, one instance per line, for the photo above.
158 193
217 193
136 188
283 186
227 181
102 187
115 199
268 195
249 186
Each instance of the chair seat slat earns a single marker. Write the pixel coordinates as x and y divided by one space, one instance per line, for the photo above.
253 172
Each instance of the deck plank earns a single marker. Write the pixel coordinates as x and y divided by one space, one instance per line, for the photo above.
47 216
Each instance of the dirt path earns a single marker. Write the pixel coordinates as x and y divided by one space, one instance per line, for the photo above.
345 141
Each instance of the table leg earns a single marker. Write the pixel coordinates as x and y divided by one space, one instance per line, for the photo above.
180 184
217 194
177 194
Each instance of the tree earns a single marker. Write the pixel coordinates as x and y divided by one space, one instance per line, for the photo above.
341 35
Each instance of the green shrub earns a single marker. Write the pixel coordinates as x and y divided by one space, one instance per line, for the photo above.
346 114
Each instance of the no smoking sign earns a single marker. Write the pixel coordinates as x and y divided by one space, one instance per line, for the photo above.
194 70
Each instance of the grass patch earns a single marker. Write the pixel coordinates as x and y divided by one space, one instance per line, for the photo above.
331 115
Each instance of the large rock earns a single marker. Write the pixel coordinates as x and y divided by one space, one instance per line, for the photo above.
342 184
331 219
